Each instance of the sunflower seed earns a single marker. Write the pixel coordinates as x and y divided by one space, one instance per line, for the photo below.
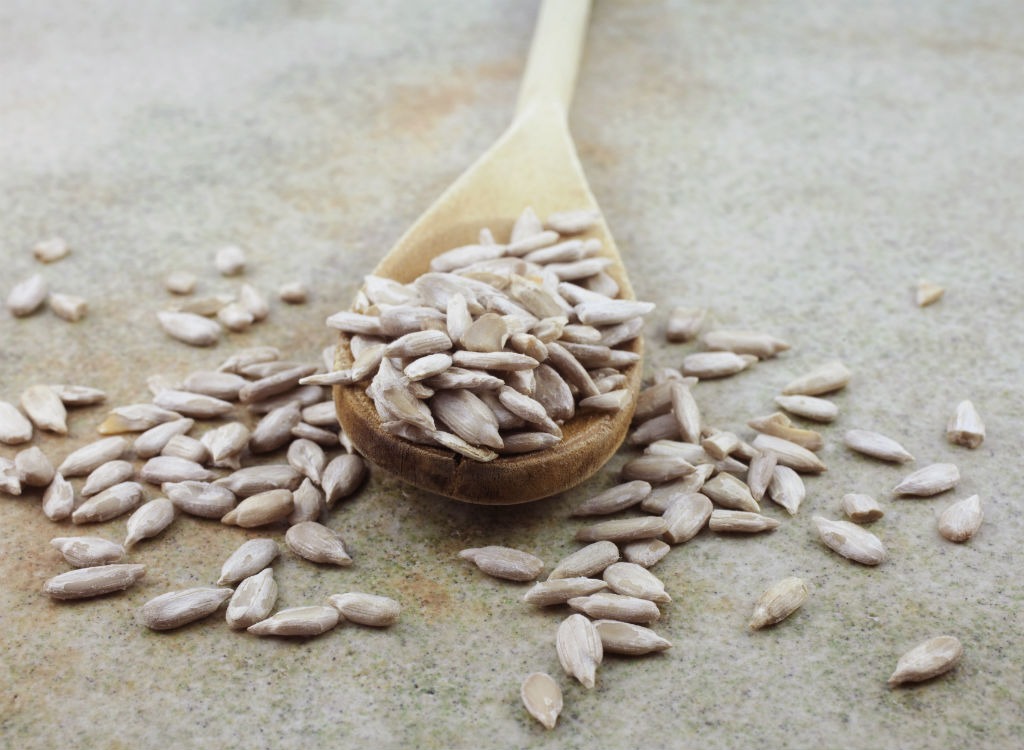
929 659
645 552
135 418
14 427
661 497
253 600
587 561
250 356
623 530
189 328
730 492
153 440
229 260
759 474
293 293
928 293
87 551
69 307
79 395
180 282
931 480
851 541
789 454
51 249
579 649
687 513
603 604
254 479
27 296
663 427
560 590
366 609
779 425
188 448
342 476
630 579
740 522
504 562
111 503
59 499
161 469
761 345
275 429
274 384
189 404
226 443
95 581
9 481
254 301
575 374
527 442
200 499
787 489
261 509
205 307
809 407
684 323
33 468
148 521
861 508
708 365
177 608
301 622
309 504
617 498
248 560
611 312
315 542
831 376
572 222
106 476
876 445
656 469
961 520
542 698
782 599
628 638
45 409
323 414
965 426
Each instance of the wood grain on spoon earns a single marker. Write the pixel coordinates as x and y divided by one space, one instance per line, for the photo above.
534 163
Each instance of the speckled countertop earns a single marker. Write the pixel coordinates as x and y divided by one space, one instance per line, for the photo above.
793 166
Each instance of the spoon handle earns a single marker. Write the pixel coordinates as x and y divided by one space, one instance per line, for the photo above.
555 53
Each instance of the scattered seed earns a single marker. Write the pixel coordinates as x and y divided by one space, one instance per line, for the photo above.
629 639
687 513
301 622
274 383
197 405
200 499
254 479
645 552
588 561
782 599
275 429
148 521
787 489
254 301
87 551
542 698
135 418
928 293
709 365
789 454
187 448
205 306
45 409
69 307
630 579
831 376
684 323
261 509
931 480
561 590
107 475
161 469
607 605
248 560
779 425
27 296
809 407
759 474
151 442
180 282
965 426
761 345
309 503
342 476
177 608
109 504
79 395
623 529
189 328
720 444
929 659
661 497
656 469
226 443
730 492
579 649
14 427
253 600
84 583
9 481
617 498
230 260
59 499
740 522
504 562
33 468
876 445
308 458
961 520
89 457
861 508
370 610
315 542
851 541
293 293
51 249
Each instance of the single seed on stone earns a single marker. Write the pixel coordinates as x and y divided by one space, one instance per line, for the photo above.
851 541
645 552
787 489
561 590
206 307
177 608
9 481
876 445
88 457
200 499
254 479
51 249
370 610
617 498
14 427
656 469
861 508
109 504
250 356
308 458
720 444
629 639
542 698
153 440
197 405
730 492
275 383
587 561
293 292
69 307
226 443
927 293
623 529
579 649
789 454
253 600
323 414
809 407
248 560
315 542
656 429
831 376
186 447
161 469
45 409
504 562
607 605
684 323
687 513
298 622
148 521
779 425
782 599
929 659
342 476
275 429
309 503
79 395
961 520
87 551
708 365
180 282
106 476
571 222
33 468
931 480
661 497
759 474
59 499
84 583
261 509
230 260
965 426
254 301
740 522
135 418
630 579
27 296
761 345
189 328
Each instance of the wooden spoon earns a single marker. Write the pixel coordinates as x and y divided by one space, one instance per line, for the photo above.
534 163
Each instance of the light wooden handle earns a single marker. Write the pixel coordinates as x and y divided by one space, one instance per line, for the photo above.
555 53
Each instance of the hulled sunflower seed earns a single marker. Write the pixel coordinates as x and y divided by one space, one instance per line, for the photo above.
33 468
9 482
759 474
579 649
685 411
254 301
235 317
229 260
188 448
629 639
656 429
851 541
342 476
645 552
27 296
961 520
250 356
809 407
527 442
561 590
51 249
661 497
309 504
572 222
79 395
630 579
782 599
293 293
656 469
931 480
275 429
161 469
730 492
248 560
253 600
315 542
255 479
109 504
929 659
684 323
687 513
542 698
587 561
323 414
273 384
298 622
720 444
69 307
779 425
148 521
876 445
205 307
59 499
927 293
200 499
135 418
787 489
617 498
180 282
84 583
611 312
91 456
789 454
623 529
197 405
220 385
177 608
14 427
106 476
153 440
831 376
87 551
45 409
226 443
740 522
261 509
189 328
308 458
761 345
607 605
504 562
861 508
965 426
370 610
708 365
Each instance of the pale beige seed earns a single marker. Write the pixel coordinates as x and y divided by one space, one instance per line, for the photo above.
789 454
778 602
109 504
298 622
200 499
829 377
106 476
180 282
579 649
229 260
809 407
51 249
254 301
571 222
654 401
135 418
617 498
787 489
85 459
370 610
69 307
629 639
250 356
177 608
927 293
323 414
45 409
87 551
59 499
720 444
261 509
656 429
684 323
760 345
161 469
189 328
560 590
542 698
876 445
611 606
79 395
293 293
248 560
759 474
149 520
309 503
252 601
220 385
533 242
709 365
779 425
570 369
630 579
315 542
740 522
645 552
251 480
730 492
527 442
931 480
14 427
27 296
929 659
197 405
527 224
851 541
275 383
187 448
621 333
342 477
153 440
609 401
661 497
33 468
226 443
504 562
861 508
527 408
965 426
687 513
84 583
656 469
10 484
611 312
961 520
308 458
587 561
204 306
623 529
275 429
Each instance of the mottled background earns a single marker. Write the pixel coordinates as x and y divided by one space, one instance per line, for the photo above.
794 166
